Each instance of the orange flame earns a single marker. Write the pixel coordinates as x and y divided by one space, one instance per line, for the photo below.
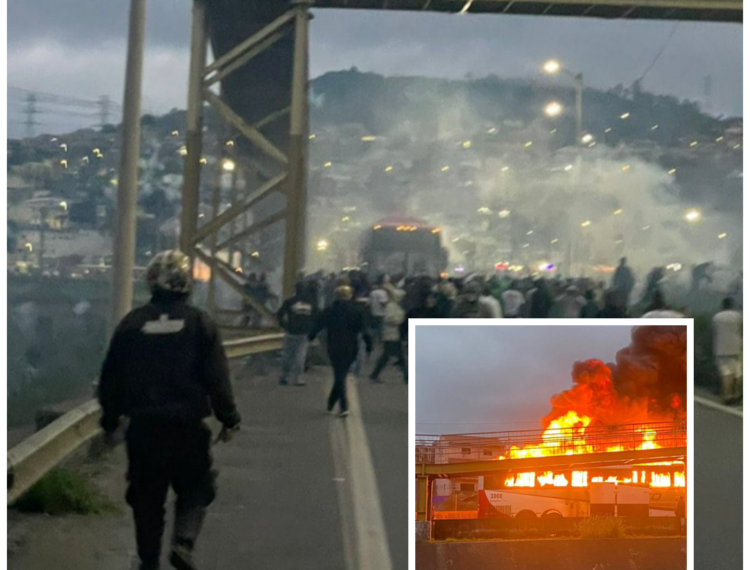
530 479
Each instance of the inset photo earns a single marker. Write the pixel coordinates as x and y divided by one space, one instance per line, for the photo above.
552 445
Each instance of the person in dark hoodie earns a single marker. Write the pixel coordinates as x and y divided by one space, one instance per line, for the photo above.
344 323
296 316
467 303
166 370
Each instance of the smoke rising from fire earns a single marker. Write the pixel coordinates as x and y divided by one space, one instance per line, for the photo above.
647 383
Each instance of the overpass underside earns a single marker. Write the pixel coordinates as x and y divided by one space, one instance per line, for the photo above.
701 10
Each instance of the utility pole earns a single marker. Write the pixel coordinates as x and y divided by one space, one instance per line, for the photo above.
31 111
579 109
104 109
127 189
296 191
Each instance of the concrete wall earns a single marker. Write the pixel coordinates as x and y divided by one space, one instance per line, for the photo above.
422 530
550 554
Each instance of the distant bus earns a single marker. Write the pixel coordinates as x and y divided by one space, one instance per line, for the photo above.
400 245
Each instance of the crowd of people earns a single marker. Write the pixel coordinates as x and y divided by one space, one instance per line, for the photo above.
384 305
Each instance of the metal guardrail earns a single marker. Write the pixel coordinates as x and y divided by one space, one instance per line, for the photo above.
34 457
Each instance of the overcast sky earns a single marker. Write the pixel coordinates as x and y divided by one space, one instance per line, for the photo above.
77 48
479 378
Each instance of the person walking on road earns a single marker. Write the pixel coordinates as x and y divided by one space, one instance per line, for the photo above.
570 303
513 301
296 316
727 336
166 370
623 281
467 302
394 316
378 301
489 307
345 324
679 513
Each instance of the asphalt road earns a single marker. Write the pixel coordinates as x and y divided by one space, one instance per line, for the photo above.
298 488
718 490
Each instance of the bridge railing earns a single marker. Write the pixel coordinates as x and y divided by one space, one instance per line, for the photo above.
491 446
34 457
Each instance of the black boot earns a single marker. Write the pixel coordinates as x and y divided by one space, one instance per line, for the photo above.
182 558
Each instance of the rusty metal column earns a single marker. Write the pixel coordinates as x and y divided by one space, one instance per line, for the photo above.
296 191
194 136
123 247
215 206
424 498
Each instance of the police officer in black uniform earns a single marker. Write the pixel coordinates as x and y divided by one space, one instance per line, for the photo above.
166 370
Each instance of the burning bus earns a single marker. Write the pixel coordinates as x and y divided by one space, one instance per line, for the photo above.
401 245
640 490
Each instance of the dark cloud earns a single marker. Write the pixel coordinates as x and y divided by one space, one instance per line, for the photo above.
477 378
93 32
87 23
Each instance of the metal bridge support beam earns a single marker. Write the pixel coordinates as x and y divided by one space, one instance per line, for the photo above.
127 186
194 135
296 191
424 498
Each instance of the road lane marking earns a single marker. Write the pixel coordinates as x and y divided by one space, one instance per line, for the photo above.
368 548
343 491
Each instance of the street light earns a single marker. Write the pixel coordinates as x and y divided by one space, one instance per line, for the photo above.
693 215
552 67
553 109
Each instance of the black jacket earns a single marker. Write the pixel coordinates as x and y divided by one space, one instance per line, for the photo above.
344 322
297 315
166 361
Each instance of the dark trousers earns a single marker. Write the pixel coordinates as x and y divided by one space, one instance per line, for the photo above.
163 454
377 329
390 348
341 368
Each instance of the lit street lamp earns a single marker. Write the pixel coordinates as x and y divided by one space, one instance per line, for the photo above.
693 215
552 67
553 109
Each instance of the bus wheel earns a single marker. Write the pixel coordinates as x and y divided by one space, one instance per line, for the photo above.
526 514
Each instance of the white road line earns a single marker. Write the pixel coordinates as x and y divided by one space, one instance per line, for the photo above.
352 453
711 404
343 490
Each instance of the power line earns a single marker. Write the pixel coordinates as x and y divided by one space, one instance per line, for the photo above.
660 52
54 98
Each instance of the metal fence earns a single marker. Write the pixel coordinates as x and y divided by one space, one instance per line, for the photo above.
490 446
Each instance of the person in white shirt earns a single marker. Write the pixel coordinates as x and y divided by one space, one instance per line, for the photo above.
378 302
513 301
394 316
727 337
570 303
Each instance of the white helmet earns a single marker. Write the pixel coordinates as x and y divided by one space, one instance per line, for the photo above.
169 271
